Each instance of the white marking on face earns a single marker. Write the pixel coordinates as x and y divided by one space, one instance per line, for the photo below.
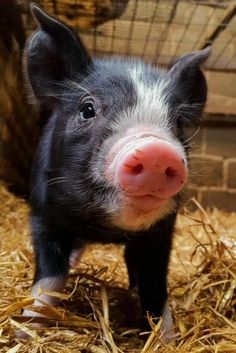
150 114
134 220
152 104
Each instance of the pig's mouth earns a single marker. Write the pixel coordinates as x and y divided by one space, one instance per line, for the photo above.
145 203
137 213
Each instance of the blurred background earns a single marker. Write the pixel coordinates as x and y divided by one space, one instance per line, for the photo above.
158 31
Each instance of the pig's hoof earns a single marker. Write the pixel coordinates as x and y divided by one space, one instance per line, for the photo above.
29 332
167 327
168 336
75 256
166 332
29 328
23 335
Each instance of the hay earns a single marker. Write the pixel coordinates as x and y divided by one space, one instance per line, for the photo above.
98 314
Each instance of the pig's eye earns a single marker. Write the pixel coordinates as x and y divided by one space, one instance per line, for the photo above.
87 111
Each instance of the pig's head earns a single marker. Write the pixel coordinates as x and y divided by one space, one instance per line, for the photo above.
114 143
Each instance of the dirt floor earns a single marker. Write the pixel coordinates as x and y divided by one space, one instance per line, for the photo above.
99 314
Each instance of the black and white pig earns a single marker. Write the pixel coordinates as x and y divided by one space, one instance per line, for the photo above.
112 159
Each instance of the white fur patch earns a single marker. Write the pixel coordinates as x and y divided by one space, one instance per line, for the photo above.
47 284
150 113
167 326
75 256
132 220
152 105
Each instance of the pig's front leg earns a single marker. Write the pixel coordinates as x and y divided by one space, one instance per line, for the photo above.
52 253
147 261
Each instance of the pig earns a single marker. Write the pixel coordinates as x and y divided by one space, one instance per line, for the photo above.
112 160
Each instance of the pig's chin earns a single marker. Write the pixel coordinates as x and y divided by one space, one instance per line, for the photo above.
140 212
145 203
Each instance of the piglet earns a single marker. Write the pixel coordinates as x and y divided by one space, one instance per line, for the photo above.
112 159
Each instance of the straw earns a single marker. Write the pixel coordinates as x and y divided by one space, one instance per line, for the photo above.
98 313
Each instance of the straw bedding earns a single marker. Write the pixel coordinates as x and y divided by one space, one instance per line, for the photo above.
99 314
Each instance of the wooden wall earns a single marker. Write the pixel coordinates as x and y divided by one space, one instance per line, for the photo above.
158 31
17 121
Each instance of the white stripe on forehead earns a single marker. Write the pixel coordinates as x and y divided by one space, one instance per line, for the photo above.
152 103
151 112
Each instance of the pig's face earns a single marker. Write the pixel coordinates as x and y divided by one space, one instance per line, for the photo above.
138 161
115 137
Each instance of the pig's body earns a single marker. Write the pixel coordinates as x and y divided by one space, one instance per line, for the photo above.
112 159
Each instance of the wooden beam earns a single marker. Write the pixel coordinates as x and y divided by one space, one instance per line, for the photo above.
221 92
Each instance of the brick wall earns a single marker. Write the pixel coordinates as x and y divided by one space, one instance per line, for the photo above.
213 162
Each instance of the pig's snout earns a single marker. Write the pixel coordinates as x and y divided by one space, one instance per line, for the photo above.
153 168
149 167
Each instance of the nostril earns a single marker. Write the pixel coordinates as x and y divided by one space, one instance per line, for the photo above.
170 172
134 169
137 169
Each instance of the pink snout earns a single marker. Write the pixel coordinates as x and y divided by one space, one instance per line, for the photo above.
150 167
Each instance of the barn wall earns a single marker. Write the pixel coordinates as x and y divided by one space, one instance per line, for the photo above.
213 162
17 121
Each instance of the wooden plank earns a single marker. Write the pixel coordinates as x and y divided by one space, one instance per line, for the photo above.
144 9
221 83
119 41
135 28
221 92
220 104
160 41
82 13
216 16
157 30
191 26
224 48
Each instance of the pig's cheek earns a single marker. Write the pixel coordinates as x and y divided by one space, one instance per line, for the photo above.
109 170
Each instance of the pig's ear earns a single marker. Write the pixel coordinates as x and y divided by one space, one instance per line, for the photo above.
54 54
188 82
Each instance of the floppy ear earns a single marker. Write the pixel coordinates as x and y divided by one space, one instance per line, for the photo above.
54 54
188 84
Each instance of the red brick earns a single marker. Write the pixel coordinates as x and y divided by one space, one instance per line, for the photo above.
221 141
223 200
231 174
205 171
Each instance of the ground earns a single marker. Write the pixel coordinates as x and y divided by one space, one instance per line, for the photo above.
99 314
